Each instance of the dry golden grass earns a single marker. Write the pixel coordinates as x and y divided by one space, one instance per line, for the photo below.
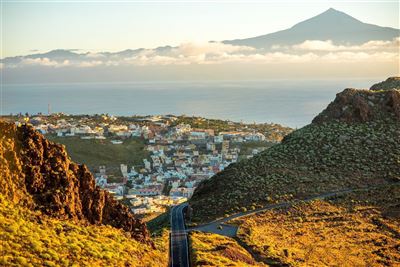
29 238
215 250
360 229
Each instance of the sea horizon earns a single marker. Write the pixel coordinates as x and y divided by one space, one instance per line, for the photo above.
289 102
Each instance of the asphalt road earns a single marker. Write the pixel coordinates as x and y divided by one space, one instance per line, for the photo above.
179 240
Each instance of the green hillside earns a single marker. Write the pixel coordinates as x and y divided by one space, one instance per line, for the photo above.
94 153
354 144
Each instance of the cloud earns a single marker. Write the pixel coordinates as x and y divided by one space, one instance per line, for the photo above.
189 53
94 55
44 62
309 51
360 57
317 45
192 49
88 64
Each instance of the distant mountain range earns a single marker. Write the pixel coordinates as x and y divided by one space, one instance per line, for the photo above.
332 25
331 37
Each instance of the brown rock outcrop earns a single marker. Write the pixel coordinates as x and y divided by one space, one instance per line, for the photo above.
60 187
354 105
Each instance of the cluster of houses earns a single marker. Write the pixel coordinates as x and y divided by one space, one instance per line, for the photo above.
87 128
180 156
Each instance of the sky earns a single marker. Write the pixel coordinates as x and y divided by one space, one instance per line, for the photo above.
40 26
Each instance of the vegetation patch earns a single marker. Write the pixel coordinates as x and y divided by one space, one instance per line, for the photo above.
215 250
316 159
160 223
29 238
95 152
357 229
246 148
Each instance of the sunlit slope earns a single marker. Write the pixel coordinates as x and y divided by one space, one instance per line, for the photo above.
30 238
52 214
356 229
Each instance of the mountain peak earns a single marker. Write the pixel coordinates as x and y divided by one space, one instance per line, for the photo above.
331 24
332 10
329 19
56 53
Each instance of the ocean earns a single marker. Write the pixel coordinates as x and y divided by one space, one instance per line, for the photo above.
291 103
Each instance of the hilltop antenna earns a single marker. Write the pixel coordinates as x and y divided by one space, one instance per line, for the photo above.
48 109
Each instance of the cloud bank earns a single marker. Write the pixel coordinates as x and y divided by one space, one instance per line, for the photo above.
214 53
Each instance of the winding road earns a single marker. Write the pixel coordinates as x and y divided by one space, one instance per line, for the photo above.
220 227
179 239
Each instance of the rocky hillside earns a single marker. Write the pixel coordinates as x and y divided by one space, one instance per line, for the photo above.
353 143
40 175
390 83
381 102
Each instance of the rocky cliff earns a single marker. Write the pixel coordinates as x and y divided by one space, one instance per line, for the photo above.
382 101
39 174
